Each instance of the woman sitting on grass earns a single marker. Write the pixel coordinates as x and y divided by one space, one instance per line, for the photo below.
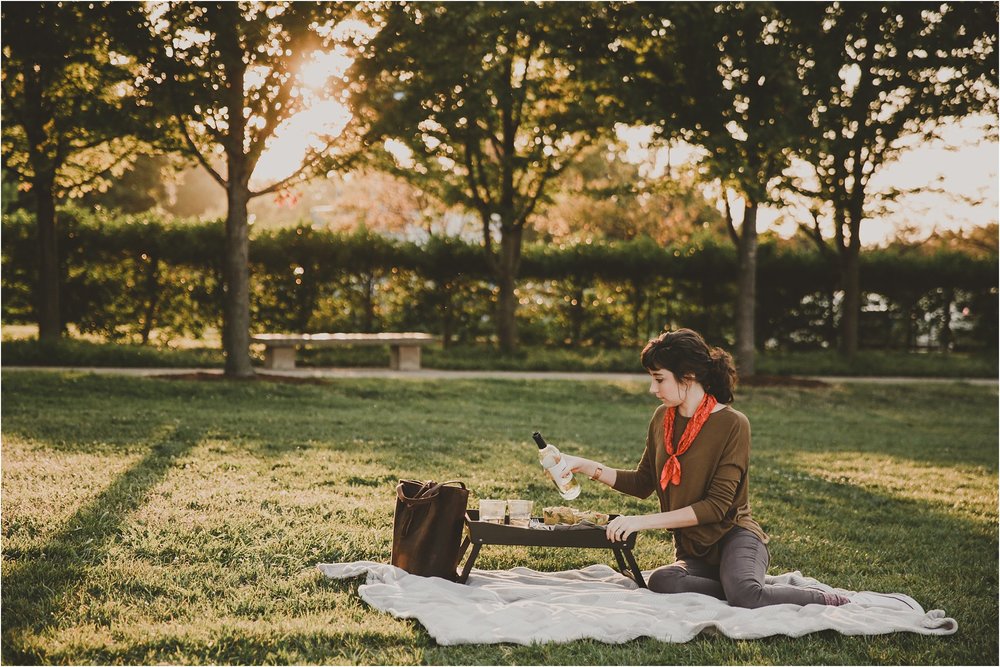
696 460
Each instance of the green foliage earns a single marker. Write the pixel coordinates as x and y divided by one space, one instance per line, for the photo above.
484 96
149 521
127 275
141 187
229 75
723 76
879 363
885 72
68 108
606 195
124 274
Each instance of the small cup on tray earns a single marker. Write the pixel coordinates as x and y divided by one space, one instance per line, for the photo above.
492 511
520 512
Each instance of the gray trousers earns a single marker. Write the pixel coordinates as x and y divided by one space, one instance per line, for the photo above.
738 578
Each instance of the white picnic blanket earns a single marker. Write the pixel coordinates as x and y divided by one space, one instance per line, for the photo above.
524 606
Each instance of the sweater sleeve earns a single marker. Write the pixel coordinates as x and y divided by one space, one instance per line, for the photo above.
728 475
640 482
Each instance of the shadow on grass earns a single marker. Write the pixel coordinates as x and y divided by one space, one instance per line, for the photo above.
36 585
260 644
79 412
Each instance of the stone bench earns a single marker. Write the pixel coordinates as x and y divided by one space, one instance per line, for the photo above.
404 348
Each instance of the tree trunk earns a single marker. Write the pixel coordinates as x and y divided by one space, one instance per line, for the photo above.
368 303
747 292
946 337
507 268
850 280
830 321
447 316
651 325
49 314
153 290
236 331
912 313
506 309
576 315
637 301
850 307
44 165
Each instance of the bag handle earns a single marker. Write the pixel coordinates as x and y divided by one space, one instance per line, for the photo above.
426 493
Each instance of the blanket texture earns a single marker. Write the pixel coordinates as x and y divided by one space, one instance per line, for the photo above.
524 606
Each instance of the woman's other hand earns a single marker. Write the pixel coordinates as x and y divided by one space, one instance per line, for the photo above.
622 526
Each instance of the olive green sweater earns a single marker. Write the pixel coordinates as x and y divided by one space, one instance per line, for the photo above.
714 480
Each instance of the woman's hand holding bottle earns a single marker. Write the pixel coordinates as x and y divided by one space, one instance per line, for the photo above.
555 468
578 464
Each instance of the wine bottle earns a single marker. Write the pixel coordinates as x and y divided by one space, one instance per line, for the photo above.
552 461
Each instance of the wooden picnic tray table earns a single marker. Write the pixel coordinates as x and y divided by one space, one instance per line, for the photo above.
480 533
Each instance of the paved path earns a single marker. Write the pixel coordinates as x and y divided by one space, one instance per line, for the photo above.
435 374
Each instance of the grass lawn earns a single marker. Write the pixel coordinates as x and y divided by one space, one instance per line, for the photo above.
163 521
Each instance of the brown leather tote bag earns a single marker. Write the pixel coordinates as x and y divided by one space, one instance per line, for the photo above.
427 527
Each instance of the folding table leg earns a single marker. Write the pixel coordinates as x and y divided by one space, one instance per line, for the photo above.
634 566
465 547
621 561
464 577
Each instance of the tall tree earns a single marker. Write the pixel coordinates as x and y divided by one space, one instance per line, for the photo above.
231 73
723 76
67 120
883 73
485 105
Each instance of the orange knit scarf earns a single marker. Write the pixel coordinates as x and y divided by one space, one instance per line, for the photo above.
672 468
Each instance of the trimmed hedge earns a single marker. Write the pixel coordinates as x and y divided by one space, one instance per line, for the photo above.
126 275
